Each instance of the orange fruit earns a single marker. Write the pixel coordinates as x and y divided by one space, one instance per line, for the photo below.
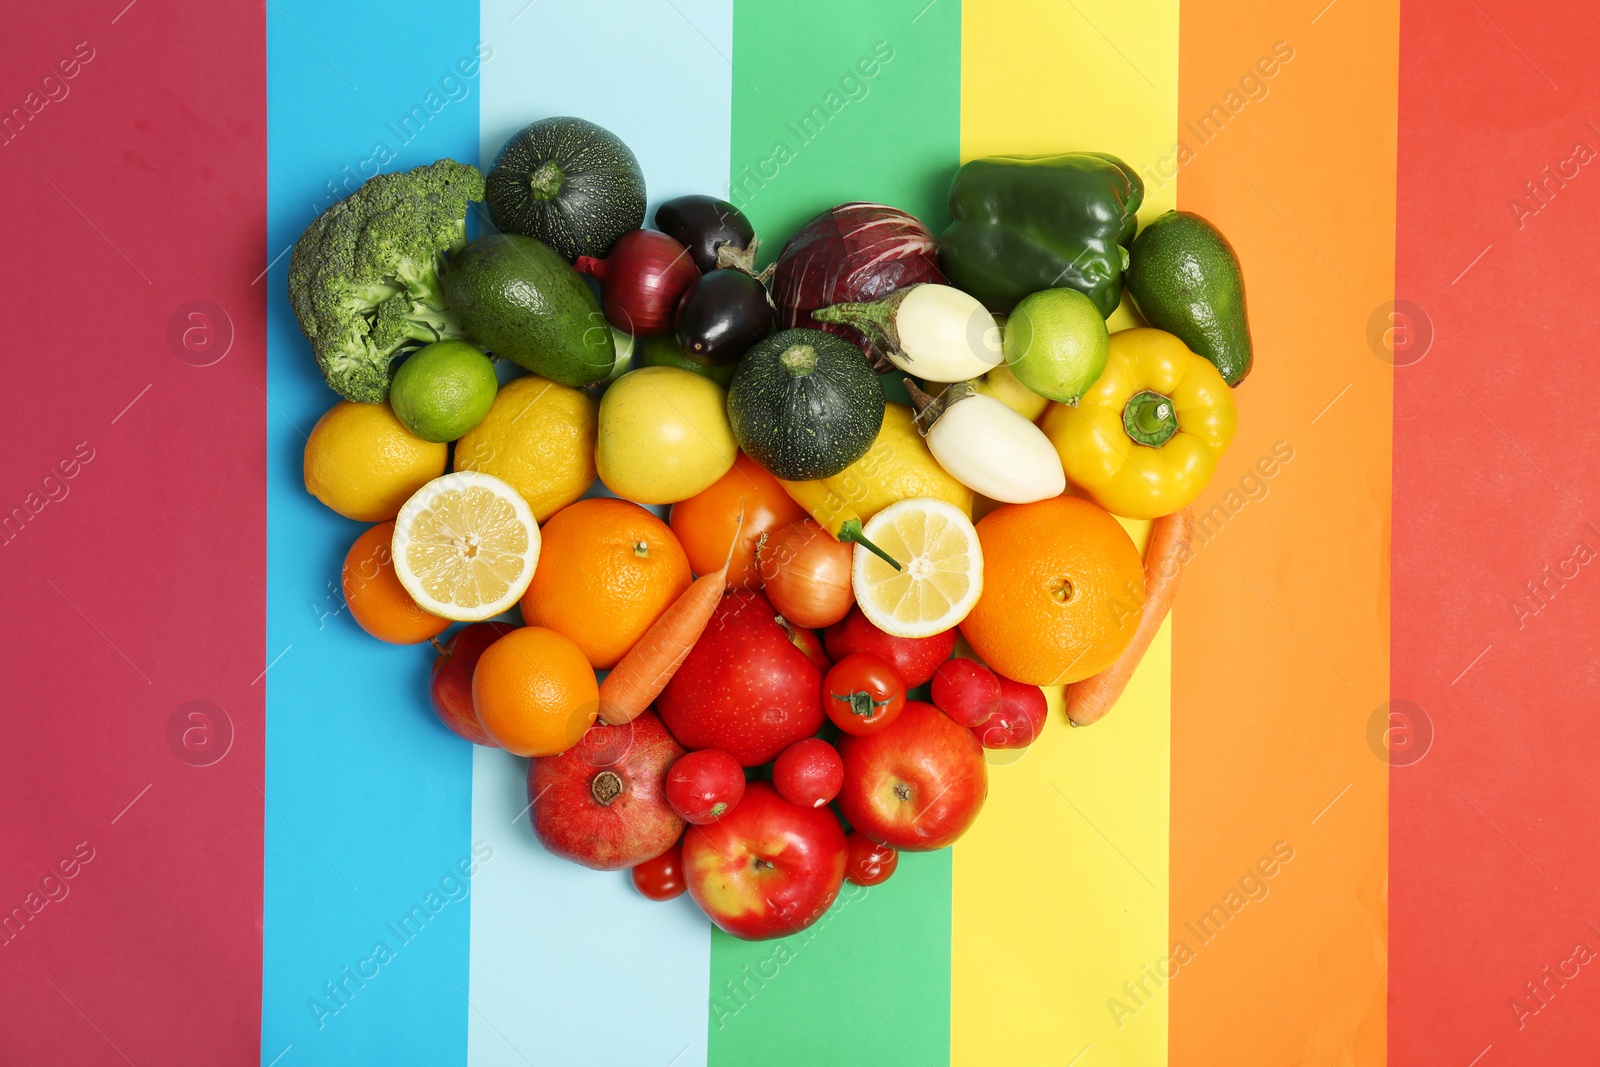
1063 589
607 570
534 692
376 599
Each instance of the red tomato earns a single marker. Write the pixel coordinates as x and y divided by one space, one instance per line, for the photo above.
705 522
916 658
704 786
863 694
662 878
868 863
808 773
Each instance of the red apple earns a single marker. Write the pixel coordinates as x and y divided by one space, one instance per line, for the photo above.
916 658
745 687
602 802
1019 718
918 784
769 869
450 685
704 786
808 773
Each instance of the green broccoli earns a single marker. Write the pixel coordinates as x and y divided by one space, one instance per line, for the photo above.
364 277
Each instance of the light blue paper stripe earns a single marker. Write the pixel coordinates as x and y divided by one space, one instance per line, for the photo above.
368 807
571 965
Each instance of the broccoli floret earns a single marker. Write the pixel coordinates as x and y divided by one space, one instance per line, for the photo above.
364 277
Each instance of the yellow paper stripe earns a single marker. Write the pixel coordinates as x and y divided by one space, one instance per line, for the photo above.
1060 889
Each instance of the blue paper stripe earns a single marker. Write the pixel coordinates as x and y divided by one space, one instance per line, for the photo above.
571 965
368 807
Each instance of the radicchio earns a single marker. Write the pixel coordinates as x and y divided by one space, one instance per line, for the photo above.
853 252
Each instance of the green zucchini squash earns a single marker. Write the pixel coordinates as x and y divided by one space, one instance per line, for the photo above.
805 404
572 184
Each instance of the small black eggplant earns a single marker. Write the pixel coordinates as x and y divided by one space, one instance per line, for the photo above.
722 315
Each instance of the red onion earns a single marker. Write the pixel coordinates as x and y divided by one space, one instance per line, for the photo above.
851 253
642 280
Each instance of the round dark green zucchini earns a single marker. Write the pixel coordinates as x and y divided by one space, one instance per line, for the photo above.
805 404
572 184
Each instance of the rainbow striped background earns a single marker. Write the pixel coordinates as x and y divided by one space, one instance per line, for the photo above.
1229 869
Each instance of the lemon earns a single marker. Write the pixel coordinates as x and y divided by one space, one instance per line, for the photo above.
898 466
941 571
443 390
362 462
539 438
465 546
664 435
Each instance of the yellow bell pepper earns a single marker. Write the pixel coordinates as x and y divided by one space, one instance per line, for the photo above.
1145 439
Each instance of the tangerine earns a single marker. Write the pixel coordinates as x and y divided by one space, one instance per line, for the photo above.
376 599
607 570
534 692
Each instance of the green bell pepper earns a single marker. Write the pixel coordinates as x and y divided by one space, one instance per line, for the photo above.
1026 223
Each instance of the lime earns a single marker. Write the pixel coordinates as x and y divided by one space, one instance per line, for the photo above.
1056 343
443 390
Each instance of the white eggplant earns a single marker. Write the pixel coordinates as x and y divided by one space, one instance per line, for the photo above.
935 332
988 447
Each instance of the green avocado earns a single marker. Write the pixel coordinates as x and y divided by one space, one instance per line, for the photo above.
1185 279
517 297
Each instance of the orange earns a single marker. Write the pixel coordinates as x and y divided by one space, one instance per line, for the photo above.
534 693
1063 589
607 570
375 597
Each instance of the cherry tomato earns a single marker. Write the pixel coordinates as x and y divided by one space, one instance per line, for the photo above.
808 773
863 694
704 786
867 862
661 878
705 522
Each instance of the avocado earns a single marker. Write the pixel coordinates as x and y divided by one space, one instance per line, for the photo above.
1185 279
518 297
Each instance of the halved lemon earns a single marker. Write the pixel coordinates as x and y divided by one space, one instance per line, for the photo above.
941 571
465 546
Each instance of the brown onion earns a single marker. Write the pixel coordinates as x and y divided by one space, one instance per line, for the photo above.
642 280
852 253
806 574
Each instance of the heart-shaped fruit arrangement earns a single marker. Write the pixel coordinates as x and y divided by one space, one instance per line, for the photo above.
737 669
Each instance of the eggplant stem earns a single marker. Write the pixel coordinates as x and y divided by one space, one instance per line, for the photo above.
874 319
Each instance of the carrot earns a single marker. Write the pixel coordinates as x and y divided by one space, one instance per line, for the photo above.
641 675
1164 556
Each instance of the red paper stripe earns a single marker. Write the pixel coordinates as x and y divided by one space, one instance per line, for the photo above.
132 173
1493 863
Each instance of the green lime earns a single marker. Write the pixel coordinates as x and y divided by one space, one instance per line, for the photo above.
443 390
1056 343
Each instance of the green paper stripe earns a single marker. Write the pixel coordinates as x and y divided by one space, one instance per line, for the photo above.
836 100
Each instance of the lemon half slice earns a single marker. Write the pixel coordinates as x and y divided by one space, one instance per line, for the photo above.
942 568
465 546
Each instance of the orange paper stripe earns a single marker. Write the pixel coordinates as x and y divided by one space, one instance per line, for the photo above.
1281 636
